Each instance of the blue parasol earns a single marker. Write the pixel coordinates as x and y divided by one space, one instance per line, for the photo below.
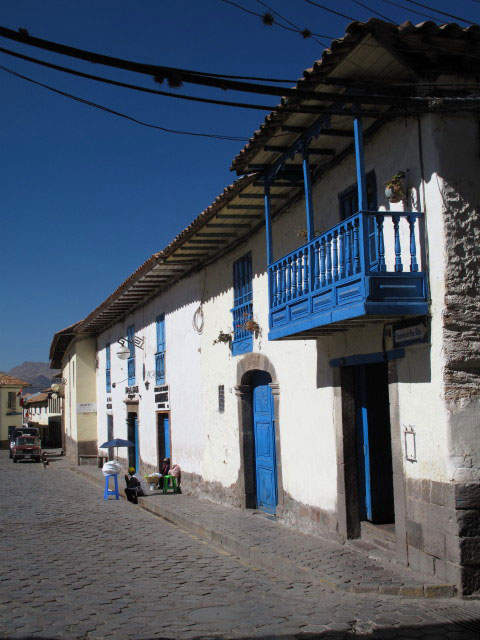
117 442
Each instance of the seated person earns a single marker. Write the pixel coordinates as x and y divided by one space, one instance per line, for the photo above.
134 486
164 471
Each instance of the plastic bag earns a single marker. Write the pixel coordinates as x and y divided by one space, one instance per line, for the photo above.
111 468
175 471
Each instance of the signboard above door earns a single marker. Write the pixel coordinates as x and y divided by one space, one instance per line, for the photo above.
408 332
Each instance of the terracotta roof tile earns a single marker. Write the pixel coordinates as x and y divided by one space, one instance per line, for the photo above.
411 43
10 381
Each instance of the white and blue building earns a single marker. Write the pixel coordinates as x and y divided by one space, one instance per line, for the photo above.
308 346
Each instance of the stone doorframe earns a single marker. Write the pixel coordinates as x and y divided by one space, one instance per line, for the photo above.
347 487
246 368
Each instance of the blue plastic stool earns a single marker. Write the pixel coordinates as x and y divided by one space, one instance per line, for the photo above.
107 491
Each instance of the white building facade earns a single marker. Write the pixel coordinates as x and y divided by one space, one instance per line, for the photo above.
320 364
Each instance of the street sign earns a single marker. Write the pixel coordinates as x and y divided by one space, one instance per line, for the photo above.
410 332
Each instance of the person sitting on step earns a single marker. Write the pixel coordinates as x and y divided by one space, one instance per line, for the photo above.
134 486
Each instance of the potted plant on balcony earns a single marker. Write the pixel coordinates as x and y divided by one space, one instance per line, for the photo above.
394 188
223 337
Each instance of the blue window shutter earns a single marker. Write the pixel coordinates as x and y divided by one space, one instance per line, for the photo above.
108 380
130 337
161 333
161 349
243 306
131 359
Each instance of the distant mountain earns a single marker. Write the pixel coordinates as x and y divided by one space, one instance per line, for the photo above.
38 374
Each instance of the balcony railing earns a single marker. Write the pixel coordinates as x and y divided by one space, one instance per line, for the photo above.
357 268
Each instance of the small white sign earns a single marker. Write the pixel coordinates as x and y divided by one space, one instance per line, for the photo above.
410 444
87 407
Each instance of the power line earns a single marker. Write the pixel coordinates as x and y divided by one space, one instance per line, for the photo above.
365 6
371 44
122 115
139 67
126 85
336 13
205 80
306 33
341 98
449 15
419 13
277 24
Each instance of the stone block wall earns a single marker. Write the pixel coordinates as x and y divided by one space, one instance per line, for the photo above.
443 531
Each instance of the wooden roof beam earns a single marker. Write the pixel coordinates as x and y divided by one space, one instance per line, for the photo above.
258 207
338 133
311 151
249 216
248 196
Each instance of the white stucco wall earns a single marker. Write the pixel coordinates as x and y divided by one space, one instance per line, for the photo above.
182 373
206 442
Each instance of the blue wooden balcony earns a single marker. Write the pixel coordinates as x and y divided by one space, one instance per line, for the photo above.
364 269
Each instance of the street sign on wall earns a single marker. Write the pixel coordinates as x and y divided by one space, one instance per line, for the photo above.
410 332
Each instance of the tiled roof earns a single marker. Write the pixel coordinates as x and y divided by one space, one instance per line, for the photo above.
38 397
10 381
164 268
373 51
426 50
59 345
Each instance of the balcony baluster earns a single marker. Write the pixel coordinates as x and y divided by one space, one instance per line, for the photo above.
381 244
413 245
398 248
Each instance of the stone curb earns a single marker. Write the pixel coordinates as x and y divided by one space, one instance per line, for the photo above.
269 561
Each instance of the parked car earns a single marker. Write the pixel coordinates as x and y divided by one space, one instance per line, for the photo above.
27 448
21 431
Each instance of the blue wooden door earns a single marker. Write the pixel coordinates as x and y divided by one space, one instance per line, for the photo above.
166 431
374 446
264 435
137 445
363 445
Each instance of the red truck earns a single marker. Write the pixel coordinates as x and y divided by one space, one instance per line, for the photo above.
27 448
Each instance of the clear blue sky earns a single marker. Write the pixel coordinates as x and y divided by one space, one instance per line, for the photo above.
87 197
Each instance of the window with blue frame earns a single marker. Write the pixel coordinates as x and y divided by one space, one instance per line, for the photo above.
131 357
161 348
243 306
108 377
348 199
348 205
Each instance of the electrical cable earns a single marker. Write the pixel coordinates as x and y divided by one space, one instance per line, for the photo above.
245 87
443 13
419 13
260 15
122 115
365 6
135 87
371 44
302 32
414 100
336 13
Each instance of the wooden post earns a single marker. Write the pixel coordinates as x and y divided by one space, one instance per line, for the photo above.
360 162
268 224
307 182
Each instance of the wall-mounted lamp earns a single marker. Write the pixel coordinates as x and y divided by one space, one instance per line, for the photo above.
147 384
124 352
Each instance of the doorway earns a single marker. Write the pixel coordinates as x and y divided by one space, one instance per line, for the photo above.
111 450
163 436
132 435
373 444
265 459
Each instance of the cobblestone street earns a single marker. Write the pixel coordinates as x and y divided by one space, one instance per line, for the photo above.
75 566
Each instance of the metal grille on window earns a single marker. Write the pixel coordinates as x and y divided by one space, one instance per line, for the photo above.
221 398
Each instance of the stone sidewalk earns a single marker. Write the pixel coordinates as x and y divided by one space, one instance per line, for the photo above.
288 553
